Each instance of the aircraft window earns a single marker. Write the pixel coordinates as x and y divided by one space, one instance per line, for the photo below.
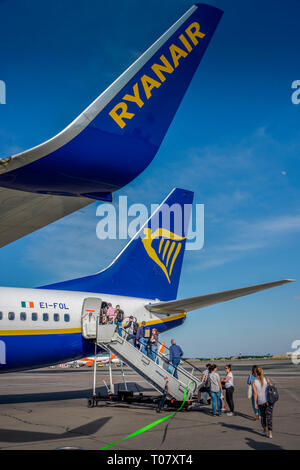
45 316
34 316
66 317
11 316
56 317
23 316
1 315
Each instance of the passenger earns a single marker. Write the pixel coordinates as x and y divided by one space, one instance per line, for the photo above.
110 313
103 313
260 398
119 317
154 344
175 355
215 390
102 318
141 338
203 387
250 381
132 327
229 389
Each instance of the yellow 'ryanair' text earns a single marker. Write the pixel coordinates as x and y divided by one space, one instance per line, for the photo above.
119 113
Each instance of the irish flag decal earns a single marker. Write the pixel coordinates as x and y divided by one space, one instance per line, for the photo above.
27 304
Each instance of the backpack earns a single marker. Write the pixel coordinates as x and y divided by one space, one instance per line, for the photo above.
208 383
272 394
120 315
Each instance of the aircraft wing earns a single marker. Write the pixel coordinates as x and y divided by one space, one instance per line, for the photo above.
23 212
194 303
115 138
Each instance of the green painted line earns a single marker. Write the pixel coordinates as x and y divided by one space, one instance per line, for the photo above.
151 425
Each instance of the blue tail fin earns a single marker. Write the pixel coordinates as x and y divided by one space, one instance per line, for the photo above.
150 264
119 134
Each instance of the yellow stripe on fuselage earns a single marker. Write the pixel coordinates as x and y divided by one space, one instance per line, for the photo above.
164 320
39 332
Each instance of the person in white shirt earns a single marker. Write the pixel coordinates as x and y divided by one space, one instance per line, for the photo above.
229 389
261 402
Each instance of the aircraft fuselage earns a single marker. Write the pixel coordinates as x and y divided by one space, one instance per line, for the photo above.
41 327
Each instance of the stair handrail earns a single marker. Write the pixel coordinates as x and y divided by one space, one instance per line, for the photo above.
164 358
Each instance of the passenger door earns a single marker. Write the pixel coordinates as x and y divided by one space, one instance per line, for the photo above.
90 317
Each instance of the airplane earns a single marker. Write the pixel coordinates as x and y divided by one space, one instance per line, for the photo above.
113 140
51 324
89 361
100 359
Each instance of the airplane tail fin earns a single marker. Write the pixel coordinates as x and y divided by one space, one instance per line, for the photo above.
150 264
119 134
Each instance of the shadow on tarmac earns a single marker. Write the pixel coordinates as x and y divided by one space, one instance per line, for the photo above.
262 445
236 427
18 436
65 395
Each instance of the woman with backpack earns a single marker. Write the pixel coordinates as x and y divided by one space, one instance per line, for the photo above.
251 378
260 390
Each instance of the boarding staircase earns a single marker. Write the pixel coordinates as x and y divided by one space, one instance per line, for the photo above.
155 373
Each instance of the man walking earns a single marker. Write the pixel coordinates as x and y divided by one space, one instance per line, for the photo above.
175 355
119 317
132 327
141 338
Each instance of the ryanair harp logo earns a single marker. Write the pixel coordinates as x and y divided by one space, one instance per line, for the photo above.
167 250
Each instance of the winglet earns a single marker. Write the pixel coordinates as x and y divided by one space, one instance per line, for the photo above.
119 134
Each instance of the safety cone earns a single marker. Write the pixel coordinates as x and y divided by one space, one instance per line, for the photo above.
223 403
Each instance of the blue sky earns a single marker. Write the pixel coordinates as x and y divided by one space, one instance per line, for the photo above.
234 142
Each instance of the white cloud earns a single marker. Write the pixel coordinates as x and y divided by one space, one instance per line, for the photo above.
245 238
282 224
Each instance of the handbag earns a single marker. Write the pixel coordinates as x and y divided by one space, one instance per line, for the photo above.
249 392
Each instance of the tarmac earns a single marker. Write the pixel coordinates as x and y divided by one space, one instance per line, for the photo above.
47 409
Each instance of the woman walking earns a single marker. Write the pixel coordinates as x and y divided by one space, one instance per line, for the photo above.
229 389
251 378
260 398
